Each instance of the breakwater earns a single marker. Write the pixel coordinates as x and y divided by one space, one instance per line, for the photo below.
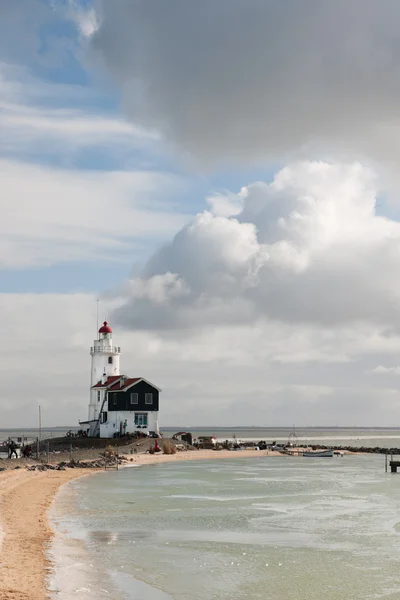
263 445
362 449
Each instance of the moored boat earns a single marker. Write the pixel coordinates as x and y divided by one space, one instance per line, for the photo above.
319 454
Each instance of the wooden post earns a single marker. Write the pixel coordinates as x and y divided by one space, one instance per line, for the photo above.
48 452
385 462
37 448
70 453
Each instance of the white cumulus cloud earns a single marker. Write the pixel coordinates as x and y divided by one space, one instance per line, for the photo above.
306 248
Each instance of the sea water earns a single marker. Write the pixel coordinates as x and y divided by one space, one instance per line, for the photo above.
281 528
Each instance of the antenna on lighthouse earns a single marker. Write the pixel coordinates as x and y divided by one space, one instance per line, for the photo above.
97 318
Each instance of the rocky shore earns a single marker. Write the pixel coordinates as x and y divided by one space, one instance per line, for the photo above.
360 449
100 463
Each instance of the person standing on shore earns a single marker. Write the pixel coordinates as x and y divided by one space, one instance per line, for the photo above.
12 449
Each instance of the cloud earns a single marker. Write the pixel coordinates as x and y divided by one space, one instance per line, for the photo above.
306 248
318 376
34 131
45 356
85 17
38 119
19 86
52 215
381 370
245 80
225 204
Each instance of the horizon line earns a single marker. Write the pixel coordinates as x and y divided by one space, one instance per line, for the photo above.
227 427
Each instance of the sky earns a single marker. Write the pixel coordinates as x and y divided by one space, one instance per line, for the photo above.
223 177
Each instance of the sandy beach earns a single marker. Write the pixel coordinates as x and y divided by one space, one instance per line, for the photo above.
149 459
24 499
25 533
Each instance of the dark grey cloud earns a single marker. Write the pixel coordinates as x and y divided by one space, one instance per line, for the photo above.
247 79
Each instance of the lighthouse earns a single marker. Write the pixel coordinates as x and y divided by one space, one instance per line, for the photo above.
118 405
105 363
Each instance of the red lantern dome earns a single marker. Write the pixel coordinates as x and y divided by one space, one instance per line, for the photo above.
105 328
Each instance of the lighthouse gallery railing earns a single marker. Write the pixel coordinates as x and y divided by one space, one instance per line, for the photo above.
114 349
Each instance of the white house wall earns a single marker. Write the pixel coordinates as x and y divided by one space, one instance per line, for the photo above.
115 418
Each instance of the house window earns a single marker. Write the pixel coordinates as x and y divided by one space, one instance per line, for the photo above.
141 419
148 398
134 398
98 396
110 360
114 399
104 417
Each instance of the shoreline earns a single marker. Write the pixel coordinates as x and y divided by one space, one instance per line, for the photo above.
25 526
25 498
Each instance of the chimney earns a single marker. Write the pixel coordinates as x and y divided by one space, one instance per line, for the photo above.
104 379
123 379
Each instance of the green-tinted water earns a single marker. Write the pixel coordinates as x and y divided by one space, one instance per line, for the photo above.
262 528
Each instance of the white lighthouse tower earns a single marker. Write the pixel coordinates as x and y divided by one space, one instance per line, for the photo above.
105 363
